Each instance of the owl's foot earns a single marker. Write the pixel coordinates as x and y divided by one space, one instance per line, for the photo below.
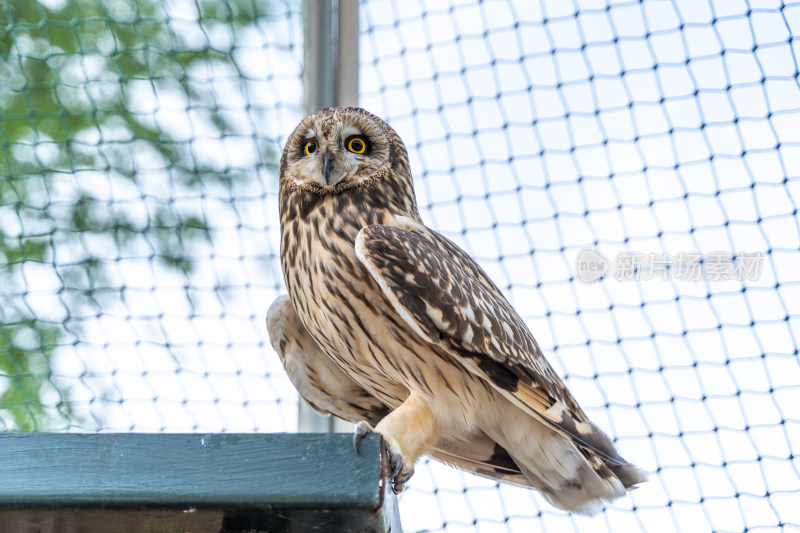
400 472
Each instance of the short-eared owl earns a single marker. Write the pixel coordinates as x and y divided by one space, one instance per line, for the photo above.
392 326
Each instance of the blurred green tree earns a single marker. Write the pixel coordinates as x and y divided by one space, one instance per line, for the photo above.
68 122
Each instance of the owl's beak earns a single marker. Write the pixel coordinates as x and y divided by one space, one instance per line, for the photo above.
326 168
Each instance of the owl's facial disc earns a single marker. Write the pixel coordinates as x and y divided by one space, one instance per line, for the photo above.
331 155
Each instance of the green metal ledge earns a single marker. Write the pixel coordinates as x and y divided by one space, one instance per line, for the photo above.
165 483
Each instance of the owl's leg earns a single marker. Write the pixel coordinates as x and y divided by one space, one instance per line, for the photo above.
409 432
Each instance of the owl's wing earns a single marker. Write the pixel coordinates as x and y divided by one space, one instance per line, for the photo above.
448 300
316 377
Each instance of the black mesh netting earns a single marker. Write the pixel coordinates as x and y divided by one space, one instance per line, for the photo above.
627 172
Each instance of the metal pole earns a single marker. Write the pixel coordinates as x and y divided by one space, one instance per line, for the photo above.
347 53
346 94
330 78
318 67
317 93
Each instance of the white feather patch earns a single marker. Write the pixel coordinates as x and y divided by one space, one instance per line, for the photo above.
555 411
469 313
468 335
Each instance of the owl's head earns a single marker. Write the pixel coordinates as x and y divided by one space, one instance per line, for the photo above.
336 149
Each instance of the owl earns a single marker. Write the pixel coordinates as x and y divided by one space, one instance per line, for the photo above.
391 326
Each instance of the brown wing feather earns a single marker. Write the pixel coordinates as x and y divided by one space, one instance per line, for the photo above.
446 298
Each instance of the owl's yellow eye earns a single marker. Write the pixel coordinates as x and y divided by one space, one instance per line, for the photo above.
310 147
357 145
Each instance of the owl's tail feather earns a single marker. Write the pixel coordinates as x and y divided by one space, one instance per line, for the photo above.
629 475
568 475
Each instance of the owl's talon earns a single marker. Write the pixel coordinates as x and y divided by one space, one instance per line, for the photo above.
406 475
396 463
399 481
401 473
362 428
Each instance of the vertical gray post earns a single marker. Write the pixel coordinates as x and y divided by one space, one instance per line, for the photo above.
330 78
318 49
317 93
346 78
347 53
